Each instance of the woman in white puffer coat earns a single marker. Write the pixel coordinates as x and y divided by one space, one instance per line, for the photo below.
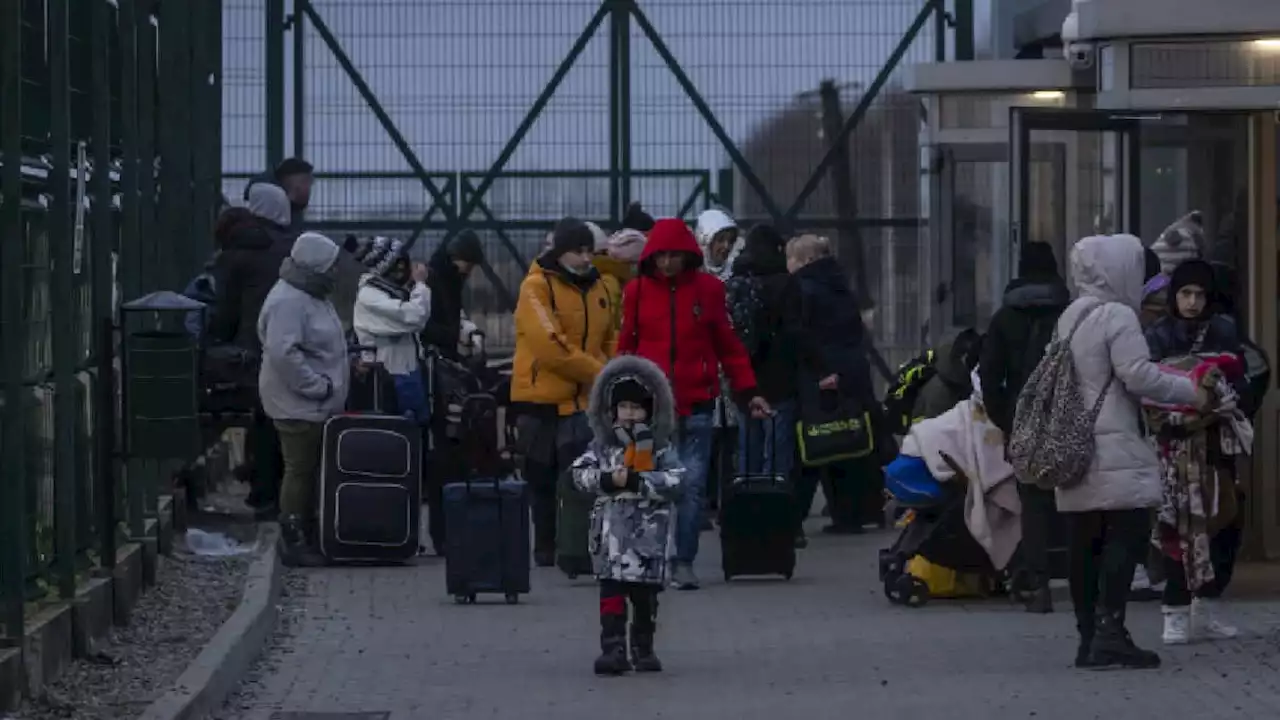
1108 512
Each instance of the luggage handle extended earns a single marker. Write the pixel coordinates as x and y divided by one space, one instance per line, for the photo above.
771 432
372 366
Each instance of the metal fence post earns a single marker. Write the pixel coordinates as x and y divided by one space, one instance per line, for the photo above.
149 242
128 257
963 43
620 105
205 185
174 244
12 328
65 470
298 25
844 193
103 238
275 82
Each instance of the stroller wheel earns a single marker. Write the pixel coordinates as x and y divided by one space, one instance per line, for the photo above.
907 590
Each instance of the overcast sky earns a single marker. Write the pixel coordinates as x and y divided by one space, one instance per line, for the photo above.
457 77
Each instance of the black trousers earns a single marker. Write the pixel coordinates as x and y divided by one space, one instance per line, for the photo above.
1038 510
1105 547
267 462
542 479
1224 548
843 484
643 597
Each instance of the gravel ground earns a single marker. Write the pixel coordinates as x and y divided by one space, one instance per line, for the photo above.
292 606
134 665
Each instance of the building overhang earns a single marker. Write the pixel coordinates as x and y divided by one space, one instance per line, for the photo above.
995 76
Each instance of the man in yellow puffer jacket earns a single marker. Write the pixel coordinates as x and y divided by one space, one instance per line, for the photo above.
565 333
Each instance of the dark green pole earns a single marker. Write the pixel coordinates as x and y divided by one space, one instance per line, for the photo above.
964 29
129 258
175 246
148 237
13 328
620 95
100 262
65 340
275 82
299 27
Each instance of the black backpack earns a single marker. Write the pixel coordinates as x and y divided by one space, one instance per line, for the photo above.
900 399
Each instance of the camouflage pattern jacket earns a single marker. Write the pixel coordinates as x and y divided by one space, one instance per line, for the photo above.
633 528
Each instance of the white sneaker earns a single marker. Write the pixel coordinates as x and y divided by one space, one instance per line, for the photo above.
1177 625
1205 622
682 577
1140 580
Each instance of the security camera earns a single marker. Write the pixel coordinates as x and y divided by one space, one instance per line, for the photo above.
1080 55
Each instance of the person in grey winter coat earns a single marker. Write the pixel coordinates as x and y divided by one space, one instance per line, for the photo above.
633 467
304 376
1108 511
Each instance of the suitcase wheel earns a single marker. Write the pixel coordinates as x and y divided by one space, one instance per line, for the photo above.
512 598
465 599
572 575
727 577
787 575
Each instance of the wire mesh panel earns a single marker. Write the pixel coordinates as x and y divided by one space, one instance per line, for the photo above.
421 118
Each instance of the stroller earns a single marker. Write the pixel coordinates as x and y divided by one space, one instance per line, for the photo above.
932 518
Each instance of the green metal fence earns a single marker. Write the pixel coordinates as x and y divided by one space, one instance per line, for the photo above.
101 201
502 116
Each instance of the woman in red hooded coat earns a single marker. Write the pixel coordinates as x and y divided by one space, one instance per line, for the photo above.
676 317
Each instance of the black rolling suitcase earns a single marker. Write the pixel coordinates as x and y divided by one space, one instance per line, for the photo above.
758 524
370 485
486 515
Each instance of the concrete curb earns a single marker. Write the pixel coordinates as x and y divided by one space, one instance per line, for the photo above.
229 654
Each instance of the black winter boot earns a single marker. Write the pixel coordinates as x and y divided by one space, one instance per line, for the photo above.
1112 646
642 656
613 646
295 549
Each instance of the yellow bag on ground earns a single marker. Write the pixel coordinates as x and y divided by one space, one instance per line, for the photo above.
944 582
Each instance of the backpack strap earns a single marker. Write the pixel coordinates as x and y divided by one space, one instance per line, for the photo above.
1080 320
551 292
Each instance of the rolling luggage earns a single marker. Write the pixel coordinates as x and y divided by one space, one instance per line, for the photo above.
758 524
370 487
486 515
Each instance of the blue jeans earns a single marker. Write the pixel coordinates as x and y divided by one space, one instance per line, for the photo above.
411 396
768 445
694 448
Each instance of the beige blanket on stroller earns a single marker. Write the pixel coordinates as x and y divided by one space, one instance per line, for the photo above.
976 447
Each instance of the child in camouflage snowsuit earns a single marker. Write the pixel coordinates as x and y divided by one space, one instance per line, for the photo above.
633 468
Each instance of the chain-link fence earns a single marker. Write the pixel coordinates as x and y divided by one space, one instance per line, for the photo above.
423 118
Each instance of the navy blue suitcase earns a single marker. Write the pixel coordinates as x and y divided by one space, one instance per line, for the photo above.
487 548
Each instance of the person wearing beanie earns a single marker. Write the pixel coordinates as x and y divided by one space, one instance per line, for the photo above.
391 310
1193 326
616 258
1015 342
448 269
637 219
564 336
632 467
675 315
303 380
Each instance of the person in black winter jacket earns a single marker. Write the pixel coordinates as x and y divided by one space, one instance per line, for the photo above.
1014 345
824 322
449 266
757 296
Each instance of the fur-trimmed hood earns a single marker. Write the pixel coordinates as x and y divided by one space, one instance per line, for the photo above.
648 374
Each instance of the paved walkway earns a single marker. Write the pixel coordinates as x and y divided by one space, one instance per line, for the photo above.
825 645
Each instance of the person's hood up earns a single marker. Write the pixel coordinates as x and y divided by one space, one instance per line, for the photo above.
1030 294
762 253
1036 260
269 202
1109 268
710 223
314 252
671 235
600 414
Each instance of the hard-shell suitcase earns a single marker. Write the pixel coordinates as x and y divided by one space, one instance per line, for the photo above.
758 524
486 515
370 485
487 538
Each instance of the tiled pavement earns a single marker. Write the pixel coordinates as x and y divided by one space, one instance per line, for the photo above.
825 645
